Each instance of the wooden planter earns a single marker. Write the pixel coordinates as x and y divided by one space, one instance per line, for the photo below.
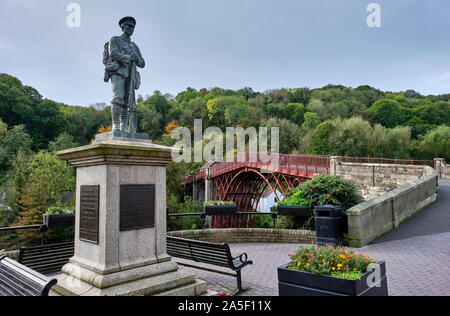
300 283
59 220
220 209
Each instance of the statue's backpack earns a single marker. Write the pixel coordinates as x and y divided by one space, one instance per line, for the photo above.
110 65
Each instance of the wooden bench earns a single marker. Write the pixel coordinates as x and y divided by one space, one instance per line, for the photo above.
18 280
48 258
209 253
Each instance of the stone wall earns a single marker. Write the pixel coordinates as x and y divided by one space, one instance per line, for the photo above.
442 169
248 235
373 180
371 219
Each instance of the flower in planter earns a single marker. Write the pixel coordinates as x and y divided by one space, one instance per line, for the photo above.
57 210
330 261
219 203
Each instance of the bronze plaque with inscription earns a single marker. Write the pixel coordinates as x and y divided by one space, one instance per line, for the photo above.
89 205
137 207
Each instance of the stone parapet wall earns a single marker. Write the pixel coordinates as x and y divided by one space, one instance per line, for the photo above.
373 180
442 169
371 219
248 235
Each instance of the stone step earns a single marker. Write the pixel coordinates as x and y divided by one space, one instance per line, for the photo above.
196 289
143 287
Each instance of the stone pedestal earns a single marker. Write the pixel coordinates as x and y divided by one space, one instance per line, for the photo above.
120 242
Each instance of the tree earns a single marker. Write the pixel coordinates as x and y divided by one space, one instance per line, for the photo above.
152 121
45 176
295 112
320 143
11 142
387 112
311 121
290 134
62 142
435 144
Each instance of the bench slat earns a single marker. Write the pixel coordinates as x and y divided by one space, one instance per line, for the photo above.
19 280
47 258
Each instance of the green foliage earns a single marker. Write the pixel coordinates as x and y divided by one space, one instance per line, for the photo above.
62 142
435 144
320 139
290 134
326 189
387 112
218 203
35 182
263 221
311 121
11 142
83 123
296 199
58 210
186 222
336 262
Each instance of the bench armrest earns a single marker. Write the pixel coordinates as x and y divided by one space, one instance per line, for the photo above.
242 258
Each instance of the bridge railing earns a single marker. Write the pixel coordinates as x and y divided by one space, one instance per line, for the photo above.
282 163
389 161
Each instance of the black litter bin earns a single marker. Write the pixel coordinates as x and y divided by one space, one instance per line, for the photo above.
329 220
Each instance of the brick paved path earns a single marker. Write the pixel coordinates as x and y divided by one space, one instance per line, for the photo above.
417 255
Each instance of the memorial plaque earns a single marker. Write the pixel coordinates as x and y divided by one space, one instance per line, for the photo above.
89 205
137 207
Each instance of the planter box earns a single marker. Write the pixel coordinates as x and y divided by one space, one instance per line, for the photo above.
300 283
220 209
299 211
59 220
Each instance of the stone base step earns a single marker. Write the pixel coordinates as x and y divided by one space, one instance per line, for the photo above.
166 282
196 289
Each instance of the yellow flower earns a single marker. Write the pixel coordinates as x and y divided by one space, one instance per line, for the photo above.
334 268
339 266
342 256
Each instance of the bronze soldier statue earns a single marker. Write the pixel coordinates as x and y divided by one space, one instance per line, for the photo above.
121 57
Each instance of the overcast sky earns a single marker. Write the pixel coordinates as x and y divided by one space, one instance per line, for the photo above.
263 44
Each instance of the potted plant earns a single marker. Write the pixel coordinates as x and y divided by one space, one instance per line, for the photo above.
59 217
220 208
295 205
328 271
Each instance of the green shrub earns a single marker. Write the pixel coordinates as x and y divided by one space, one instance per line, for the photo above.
188 222
263 221
334 190
321 190
296 199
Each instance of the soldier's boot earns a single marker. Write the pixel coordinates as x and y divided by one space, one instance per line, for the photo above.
124 120
116 111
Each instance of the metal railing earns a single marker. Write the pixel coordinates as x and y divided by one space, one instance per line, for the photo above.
42 230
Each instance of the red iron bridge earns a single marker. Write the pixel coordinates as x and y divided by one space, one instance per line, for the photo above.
246 182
